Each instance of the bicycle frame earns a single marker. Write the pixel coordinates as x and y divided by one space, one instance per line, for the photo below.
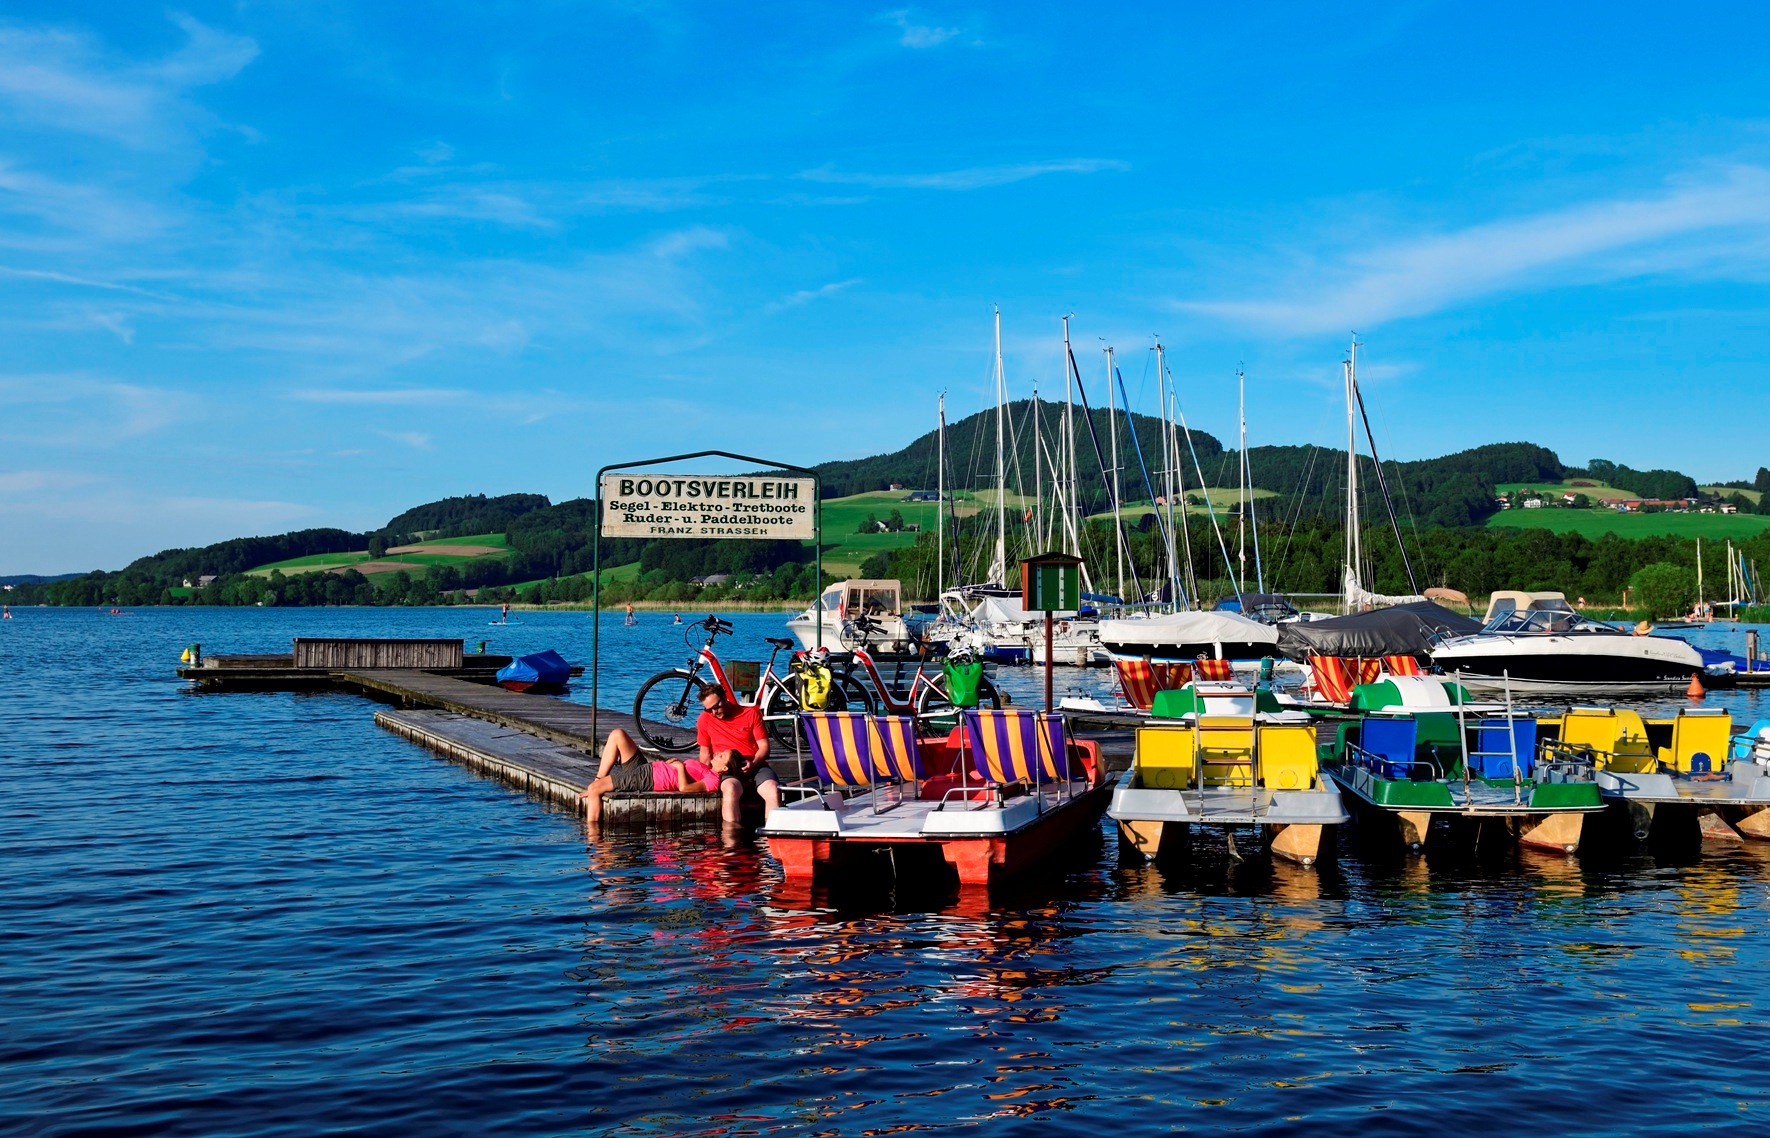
890 704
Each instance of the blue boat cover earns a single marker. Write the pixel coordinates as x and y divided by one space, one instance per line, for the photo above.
547 667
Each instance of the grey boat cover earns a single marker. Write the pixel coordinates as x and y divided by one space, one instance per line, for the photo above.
1405 630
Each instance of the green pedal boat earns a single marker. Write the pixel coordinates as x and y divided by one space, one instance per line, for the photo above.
1422 750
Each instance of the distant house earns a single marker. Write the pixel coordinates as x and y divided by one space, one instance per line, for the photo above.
920 495
1567 498
896 486
205 581
1503 503
1729 508
711 579
1533 503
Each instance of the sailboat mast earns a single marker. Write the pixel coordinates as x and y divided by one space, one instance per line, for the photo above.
1067 441
1001 469
1699 574
1241 511
1354 550
1167 502
940 505
1038 441
1112 430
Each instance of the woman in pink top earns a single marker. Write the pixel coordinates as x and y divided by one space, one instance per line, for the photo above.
625 768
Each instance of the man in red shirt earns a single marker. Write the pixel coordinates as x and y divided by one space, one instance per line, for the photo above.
734 744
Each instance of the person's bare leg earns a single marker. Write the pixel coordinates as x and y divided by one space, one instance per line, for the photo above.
771 797
620 748
731 792
592 797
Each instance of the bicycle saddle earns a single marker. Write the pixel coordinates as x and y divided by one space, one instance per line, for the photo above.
784 643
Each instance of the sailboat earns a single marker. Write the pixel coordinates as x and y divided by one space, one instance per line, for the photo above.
1185 633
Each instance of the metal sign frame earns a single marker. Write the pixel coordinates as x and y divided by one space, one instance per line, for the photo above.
596 555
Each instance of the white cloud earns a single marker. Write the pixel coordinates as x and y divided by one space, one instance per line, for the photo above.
807 295
971 178
61 80
1694 225
395 396
414 439
920 36
84 412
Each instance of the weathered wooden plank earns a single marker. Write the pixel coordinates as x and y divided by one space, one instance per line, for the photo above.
549 770
557 720
357 652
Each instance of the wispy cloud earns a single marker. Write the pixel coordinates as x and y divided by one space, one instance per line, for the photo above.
970 178
78 282
415 439
807 295
1696 224
84 412
55 78
395 396
913 33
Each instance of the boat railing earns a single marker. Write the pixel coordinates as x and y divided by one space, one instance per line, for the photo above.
1570 762
1383 766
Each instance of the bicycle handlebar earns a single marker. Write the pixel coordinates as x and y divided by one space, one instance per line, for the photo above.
716 626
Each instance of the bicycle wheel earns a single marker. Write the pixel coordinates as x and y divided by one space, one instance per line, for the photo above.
782 704
666 709
855 696
933 706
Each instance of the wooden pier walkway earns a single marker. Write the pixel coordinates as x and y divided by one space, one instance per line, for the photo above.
544 716
540 744
553 771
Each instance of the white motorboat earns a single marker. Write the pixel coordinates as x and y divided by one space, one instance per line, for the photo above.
1537 642
879 599
1185 636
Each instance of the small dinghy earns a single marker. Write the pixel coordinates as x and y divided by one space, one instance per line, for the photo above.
542 672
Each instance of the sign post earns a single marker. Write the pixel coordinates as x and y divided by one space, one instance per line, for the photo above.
632 504
1050 583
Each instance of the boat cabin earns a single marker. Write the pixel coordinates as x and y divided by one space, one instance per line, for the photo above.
1505 601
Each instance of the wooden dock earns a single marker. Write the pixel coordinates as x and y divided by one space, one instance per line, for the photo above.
540 744
553 771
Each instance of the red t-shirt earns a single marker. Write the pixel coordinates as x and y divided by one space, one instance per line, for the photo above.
739 733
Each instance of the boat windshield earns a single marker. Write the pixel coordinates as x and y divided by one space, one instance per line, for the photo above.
1547 622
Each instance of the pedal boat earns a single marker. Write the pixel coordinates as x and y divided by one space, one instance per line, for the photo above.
1223 754
998 794
1423 751
1655 770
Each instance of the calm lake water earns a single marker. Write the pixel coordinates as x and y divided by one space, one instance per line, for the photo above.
261 914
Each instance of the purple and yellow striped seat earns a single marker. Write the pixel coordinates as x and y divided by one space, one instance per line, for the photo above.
896 753
841 746
850 748
1018 746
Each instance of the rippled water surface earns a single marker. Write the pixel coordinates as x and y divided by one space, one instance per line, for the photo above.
261 914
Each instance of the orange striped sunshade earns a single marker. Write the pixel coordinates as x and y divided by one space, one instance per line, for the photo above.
1139 680
1401 666
1214 669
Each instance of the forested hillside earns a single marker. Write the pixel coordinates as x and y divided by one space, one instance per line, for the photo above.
1440 503
971 453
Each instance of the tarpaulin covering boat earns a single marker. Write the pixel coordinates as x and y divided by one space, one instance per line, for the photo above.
542 670
1405 630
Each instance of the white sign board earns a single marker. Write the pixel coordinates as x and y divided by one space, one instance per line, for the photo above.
703 505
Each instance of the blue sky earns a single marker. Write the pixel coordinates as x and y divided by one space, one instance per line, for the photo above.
273 265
